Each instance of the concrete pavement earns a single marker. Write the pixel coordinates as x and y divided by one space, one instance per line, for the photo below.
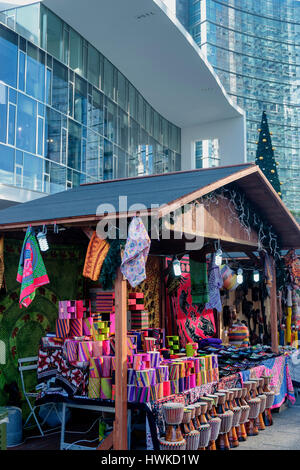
283 435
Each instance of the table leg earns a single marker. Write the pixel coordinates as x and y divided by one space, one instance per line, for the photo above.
129 428
63 425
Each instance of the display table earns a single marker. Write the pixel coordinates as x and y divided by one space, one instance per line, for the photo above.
294 368
281 382
96 405
277 367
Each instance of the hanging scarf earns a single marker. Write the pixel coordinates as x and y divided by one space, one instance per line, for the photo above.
95 256
199 282
215 282
136 252
31 271
111 264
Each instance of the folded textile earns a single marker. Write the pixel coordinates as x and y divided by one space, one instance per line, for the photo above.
31 271
136 251
95 256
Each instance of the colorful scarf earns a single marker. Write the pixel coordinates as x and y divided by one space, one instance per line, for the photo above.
199 282
136 252
31 271
95 256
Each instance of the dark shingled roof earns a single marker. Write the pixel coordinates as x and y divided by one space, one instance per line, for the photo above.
84 200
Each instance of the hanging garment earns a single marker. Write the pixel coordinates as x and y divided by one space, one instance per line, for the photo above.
111 264
215 282
31 272
136 252
199 282
95 256
268 272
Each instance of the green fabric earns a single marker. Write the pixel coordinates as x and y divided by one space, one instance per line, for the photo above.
199 282
22 329
111 263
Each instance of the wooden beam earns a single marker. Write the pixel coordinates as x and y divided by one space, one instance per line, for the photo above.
273 307
120 424
107 443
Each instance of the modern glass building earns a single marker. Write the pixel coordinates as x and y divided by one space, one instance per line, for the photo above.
67 114
254 47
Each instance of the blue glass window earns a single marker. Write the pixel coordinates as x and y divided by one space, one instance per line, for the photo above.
74 145
32 172
80 100
26 124
19 158
3 112
48 85
11 124
52 135
22 60
58 176
108 169
35 82
8 56
40 140
92 156
60 87
7 157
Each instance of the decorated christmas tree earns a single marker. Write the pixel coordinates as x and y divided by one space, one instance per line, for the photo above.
265 155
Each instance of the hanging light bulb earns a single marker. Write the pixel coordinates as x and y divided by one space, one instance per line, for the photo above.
218 258
176 267
42 239
256 276
240 277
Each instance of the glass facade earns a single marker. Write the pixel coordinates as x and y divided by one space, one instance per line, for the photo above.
254 47
67 115
207 153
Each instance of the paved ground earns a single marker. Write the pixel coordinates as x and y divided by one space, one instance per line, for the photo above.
283 435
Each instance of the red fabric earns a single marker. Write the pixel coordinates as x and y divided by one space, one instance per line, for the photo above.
182 317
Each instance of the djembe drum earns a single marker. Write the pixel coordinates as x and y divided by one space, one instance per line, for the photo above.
260 420
213 410
203 407
237 411
191 423
248 386
185 423
254 390
192 440
173 415
172 446
205 432
226 423
245 409
213 421
197 407
251 427
270 394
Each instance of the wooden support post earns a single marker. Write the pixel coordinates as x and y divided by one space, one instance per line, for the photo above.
273 307
120 424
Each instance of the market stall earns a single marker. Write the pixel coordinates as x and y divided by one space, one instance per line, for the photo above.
104 347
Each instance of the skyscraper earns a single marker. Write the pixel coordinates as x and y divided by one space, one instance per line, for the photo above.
254 47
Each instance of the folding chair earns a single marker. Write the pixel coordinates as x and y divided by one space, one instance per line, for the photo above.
26 364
